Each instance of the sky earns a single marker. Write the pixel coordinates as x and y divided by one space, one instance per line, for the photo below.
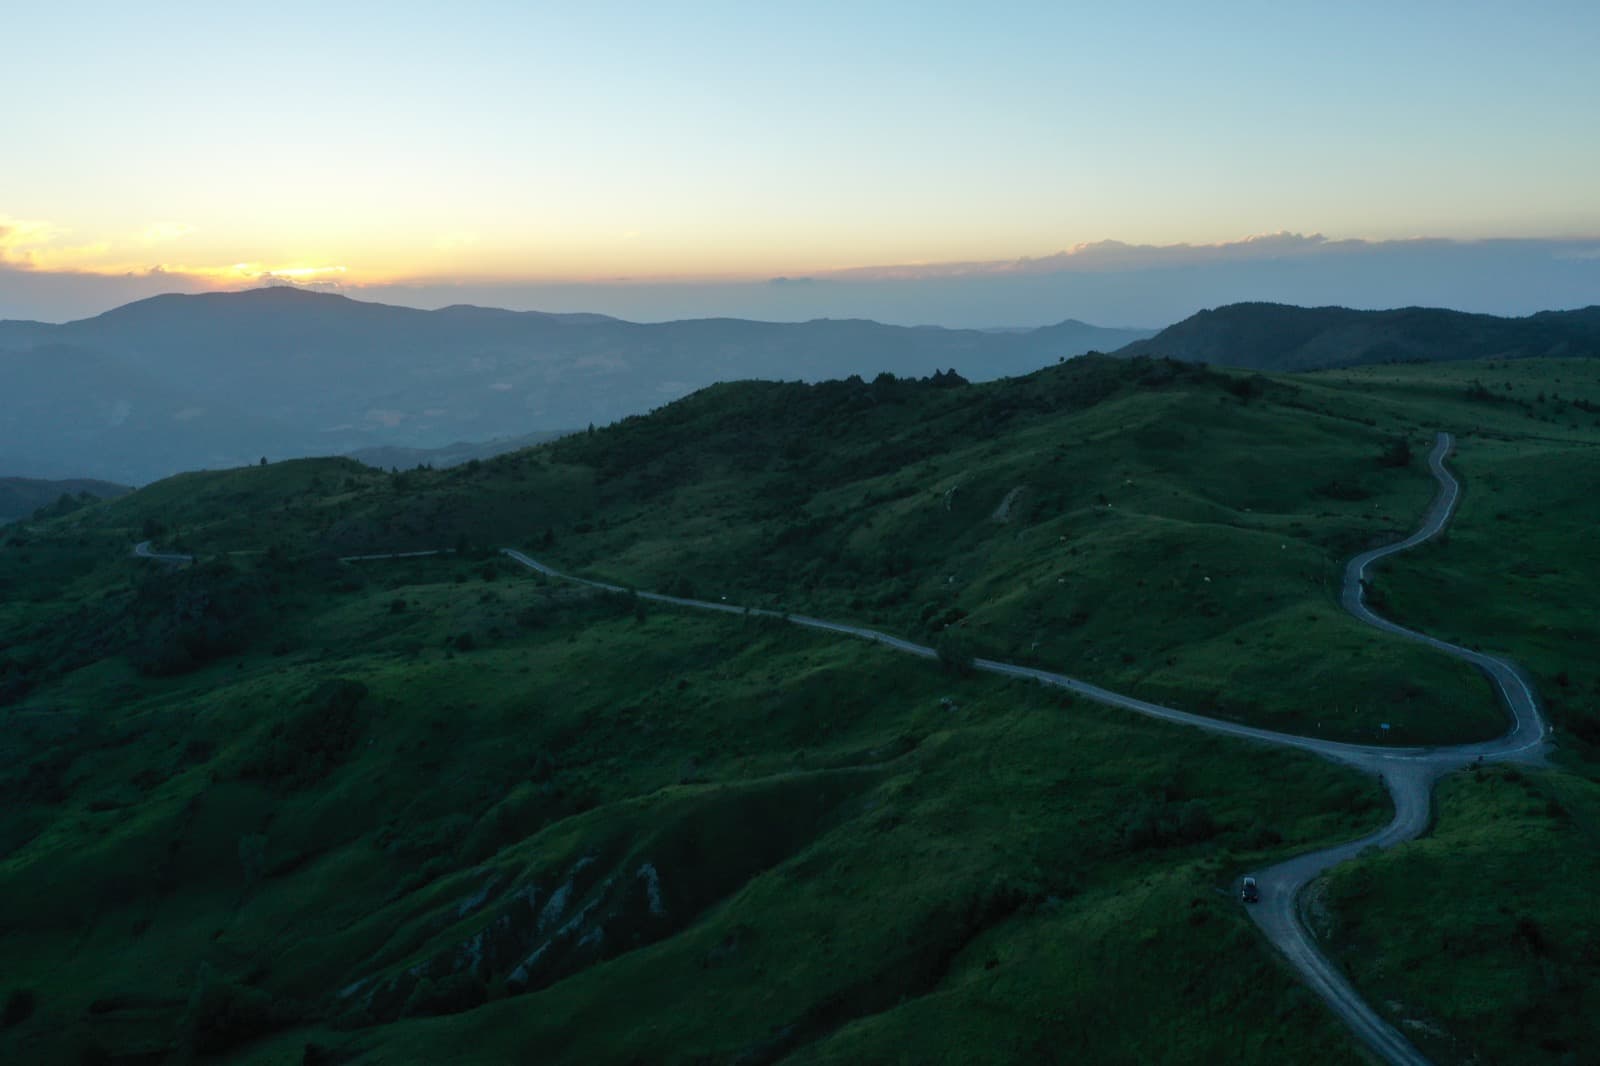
656 155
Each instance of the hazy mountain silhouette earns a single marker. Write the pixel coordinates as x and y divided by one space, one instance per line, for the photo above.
22 496
175 382
1266 336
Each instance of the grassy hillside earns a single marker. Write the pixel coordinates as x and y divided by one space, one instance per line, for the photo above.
276 808
203 855
1158 528
1279 337
1509 971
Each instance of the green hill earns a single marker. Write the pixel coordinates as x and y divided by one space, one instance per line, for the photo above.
271 807
1263 336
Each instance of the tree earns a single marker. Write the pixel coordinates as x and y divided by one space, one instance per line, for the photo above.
20 1003
253 856
955 652
1396 453
263 461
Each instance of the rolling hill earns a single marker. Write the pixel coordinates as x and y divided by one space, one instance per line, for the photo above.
21 496
1262 336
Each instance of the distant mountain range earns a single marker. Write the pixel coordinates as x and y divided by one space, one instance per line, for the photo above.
180 382
1264 336
22 496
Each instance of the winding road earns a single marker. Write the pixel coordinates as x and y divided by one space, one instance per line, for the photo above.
1409 774
142 550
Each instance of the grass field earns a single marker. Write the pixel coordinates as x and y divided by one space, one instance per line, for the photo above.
400 809
219 855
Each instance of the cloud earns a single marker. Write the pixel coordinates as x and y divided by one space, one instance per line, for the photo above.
35 246
1109 255
318 279
20 239
1105 282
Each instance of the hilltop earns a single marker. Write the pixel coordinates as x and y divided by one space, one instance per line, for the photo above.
1263 336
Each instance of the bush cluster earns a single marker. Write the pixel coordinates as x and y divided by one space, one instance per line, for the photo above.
194 616
1167 824
308 745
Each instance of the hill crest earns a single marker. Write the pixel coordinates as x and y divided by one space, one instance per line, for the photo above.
1268 336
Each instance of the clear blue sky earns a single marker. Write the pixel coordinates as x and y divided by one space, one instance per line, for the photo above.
554 141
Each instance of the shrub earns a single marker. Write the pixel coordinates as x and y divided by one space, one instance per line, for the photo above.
955 651
253 856
1397 452
1261 836
20 1004
1246 388
194 616
222 1014
307 746
1161 825
1342 490
448 995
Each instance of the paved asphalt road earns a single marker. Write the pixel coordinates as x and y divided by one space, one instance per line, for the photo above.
1408 773
142 550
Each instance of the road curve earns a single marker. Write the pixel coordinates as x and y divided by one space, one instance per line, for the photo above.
142 550
1408 773
1409 777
